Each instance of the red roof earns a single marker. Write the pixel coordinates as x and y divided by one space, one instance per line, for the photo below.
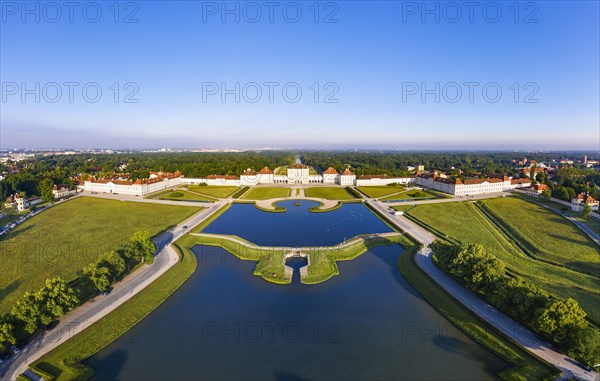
249 172
298 166
266 171
347 172
330 171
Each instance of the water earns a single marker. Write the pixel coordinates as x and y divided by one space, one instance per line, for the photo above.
226 324
297 226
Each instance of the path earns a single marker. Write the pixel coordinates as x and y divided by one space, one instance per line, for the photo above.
92 311
270 203
499 320
342 245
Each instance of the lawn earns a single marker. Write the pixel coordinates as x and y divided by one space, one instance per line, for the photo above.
592 223
63 239
464 222
380 191
265 193
524 365
403 208
412 195
545 234
64 362
181 195
328 193
214 191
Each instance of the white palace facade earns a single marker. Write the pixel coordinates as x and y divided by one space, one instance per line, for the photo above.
302 174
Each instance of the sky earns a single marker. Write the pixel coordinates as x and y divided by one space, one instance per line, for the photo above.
304 74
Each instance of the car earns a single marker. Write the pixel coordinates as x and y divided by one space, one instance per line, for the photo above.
185 226
15 350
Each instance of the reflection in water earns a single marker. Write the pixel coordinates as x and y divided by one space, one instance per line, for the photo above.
297 226
296 263
225 324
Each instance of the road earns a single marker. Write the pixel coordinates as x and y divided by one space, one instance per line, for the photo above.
499 320
92 311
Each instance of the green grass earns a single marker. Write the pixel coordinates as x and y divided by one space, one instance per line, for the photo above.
523 363
240 192
181 195
403 208
265 193
63 239
591 223
462 221
380 191
280 171
412 195
270 260
65 361
328 193
545 234
323 263
214 191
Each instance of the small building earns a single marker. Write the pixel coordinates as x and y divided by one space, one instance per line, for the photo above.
62 191
535 190
330 176
347 178
578 203
21 203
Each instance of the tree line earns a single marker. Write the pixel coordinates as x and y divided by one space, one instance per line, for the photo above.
560 321
36 310
37 176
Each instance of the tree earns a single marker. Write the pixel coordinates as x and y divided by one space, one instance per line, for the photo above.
144 247
56 299
546 194
114 262
99 276
45 186
585 346
587 210
561 319
27 311
6 334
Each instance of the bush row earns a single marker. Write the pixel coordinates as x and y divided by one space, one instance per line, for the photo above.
561 321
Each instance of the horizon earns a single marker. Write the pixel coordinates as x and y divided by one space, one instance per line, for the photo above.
357 75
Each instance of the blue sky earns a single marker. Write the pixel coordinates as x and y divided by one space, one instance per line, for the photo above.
374 58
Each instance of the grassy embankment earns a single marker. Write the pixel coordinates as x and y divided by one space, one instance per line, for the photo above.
591 223
414 195
329 193
214 191
265 193
380 191
60 241
524 365
65 361
181 195
464 222
544 235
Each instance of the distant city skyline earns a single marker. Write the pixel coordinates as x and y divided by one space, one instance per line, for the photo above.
339 75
